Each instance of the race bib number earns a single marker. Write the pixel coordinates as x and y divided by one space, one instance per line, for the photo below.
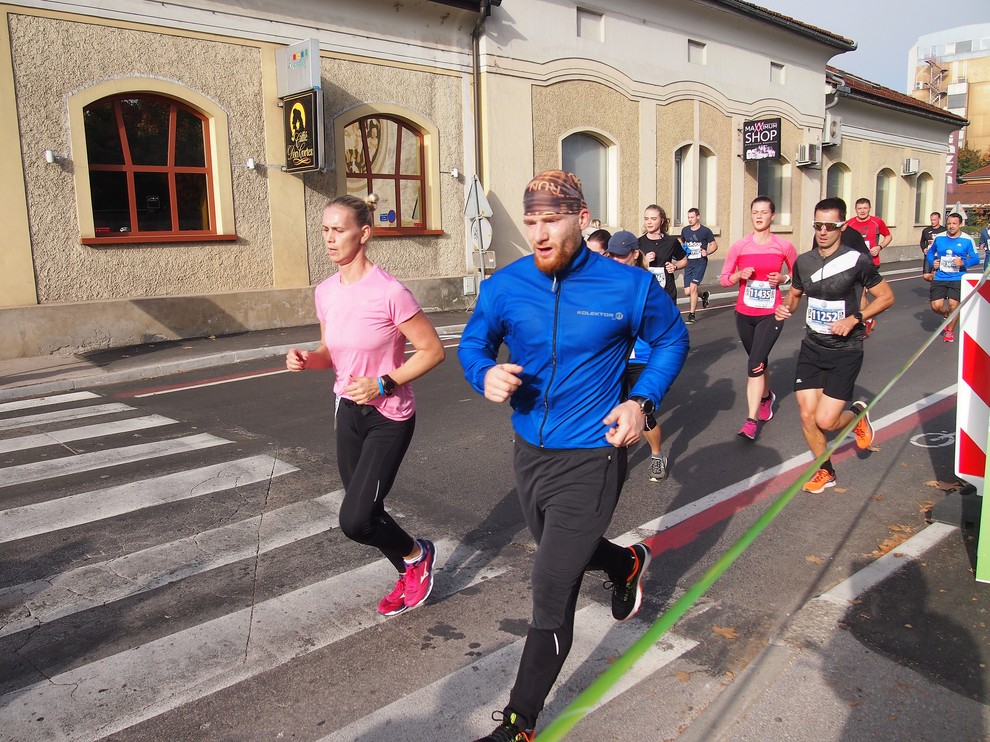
823 313
693 250
759 295
948 265
661 275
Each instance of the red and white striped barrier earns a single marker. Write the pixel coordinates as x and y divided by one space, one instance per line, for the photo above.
973 401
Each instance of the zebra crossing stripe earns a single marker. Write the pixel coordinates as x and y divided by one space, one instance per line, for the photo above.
83 462
59 416
26 404
459 705
42 601
109 502
111 694
85 432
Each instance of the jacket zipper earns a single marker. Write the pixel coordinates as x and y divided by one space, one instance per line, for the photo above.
553 361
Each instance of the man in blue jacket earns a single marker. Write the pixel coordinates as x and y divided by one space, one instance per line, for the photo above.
569 318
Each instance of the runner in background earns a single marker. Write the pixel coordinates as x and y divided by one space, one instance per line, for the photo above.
949 256
985 246
623 247
755 263
928 235
877 237
699 243
597 241
663 252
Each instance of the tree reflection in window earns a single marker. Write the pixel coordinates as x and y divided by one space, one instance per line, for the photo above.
384 155
149 164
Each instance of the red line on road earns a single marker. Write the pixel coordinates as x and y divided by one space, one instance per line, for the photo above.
690 529
193 385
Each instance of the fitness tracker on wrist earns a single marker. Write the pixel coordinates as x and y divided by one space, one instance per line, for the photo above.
388 385
858 316
646 405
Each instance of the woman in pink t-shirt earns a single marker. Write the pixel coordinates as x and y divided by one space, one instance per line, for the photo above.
755 263
366 316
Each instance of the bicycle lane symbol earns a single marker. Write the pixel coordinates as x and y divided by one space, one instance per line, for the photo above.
935 439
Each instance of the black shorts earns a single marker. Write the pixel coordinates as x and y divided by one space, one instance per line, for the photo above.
944 290
832 371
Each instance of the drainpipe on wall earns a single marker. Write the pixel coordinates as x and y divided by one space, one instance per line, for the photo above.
484 11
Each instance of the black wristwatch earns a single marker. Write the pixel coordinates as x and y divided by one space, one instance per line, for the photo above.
388 384
858 316
646 405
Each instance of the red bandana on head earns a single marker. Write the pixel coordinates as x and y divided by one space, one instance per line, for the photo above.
554 192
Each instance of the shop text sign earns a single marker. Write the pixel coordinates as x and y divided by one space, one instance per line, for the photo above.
303 118
761 139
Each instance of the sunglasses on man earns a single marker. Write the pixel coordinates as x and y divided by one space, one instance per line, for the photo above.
829 226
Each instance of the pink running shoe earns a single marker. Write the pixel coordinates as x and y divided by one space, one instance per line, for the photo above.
419 576
748 430
766 407
394 603
949 337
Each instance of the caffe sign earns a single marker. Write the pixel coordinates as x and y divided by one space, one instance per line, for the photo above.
761 139
302 116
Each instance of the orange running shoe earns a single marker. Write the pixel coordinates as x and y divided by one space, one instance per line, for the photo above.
864 428
820 482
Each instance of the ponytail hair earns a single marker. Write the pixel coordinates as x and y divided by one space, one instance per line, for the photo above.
363 209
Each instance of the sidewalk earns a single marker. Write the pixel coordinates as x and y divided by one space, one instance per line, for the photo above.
900 650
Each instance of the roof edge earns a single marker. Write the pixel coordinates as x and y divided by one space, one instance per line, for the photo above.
791 24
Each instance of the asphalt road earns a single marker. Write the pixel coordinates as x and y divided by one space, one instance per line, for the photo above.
189 581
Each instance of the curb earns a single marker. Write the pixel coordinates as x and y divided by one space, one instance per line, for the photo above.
85 379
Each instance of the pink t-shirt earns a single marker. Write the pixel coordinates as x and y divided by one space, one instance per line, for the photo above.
361 332
756 295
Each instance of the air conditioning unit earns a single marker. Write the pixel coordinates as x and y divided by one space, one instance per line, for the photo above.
911 166
919 85
808 154
832 131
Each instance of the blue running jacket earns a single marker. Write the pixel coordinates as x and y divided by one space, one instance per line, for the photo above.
572 333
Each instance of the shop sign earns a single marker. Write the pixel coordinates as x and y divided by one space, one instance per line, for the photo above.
761 139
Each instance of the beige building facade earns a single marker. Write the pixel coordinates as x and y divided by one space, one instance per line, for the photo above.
142 145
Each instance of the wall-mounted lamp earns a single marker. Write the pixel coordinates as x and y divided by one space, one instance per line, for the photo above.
51 158
455 173
250 163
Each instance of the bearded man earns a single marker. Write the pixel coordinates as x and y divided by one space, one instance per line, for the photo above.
569 318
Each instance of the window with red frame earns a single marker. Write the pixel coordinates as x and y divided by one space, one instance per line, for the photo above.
384 155
150 176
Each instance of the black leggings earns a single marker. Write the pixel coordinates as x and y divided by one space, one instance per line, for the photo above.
370 448
758 334
567 499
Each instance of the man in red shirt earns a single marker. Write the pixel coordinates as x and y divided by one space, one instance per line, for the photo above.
877 237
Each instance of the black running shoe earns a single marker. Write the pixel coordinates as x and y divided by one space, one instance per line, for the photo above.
508 730
705 296
627 595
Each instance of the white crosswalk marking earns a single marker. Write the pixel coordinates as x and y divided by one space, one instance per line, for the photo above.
126 682
484 685
55 437
38 470
75 510
32 604
59 416
27 404
116 692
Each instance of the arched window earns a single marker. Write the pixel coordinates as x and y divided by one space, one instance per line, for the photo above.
837 183
923 199
385 155
773 179
695 186
150 168
883 204
588 157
